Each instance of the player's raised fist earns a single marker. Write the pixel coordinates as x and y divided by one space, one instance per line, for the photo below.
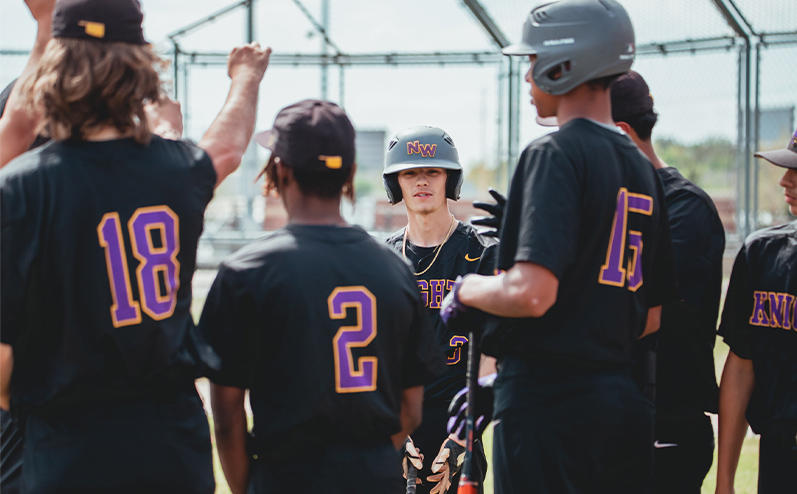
248 60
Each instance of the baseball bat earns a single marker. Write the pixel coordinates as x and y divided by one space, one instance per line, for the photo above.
467 485
412 478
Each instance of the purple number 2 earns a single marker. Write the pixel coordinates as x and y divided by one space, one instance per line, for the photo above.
158 272
612 272
349 379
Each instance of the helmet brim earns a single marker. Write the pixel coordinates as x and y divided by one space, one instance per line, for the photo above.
519 49
425 163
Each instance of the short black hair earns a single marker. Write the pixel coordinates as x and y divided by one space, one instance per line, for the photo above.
326 184
642 123
604 82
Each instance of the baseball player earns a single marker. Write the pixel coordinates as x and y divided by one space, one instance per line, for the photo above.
99 234
686 383
422 169
584 248
322 324
758 320
18 126
17 135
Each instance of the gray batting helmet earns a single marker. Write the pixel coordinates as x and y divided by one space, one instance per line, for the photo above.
585 39
421 147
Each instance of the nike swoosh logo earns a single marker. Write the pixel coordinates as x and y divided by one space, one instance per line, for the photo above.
658 445
467 258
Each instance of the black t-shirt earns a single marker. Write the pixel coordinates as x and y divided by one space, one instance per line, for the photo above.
98 250
325 327
465 252
686 379
585 204
758 322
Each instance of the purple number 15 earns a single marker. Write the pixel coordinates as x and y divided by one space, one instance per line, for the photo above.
613 272
348 377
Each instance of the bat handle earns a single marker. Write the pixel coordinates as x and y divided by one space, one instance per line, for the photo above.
467 486
412 479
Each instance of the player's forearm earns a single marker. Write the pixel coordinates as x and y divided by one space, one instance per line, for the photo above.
525 290
737 383
6 366
230 429
410 415
19 125
229 135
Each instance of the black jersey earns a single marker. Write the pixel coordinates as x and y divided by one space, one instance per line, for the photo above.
585 204
98 250
686 379
465 252
758 322
325 327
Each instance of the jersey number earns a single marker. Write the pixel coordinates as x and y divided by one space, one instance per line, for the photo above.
155 243
348 377
612 272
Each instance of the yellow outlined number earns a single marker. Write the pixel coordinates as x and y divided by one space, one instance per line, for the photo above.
612 272
348 378
156 264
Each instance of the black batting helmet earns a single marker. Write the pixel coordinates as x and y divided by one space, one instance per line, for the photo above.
421 147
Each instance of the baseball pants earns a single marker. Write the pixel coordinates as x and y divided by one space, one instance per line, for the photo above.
564 431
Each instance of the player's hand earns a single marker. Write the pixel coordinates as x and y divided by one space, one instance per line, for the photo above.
496 213
248 61
412 457
457 315
447 464
41 9
165 118
457 410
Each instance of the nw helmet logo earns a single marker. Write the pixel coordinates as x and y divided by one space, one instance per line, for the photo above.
425 150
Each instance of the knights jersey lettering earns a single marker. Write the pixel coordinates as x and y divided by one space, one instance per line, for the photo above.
465 252
758 322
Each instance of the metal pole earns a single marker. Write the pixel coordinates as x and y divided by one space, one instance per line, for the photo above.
341 86
747 139
512 123
324 46
757 131
175 70
503 163
740 218
250 21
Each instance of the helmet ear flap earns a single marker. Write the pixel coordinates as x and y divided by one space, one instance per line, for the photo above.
454 184
390 182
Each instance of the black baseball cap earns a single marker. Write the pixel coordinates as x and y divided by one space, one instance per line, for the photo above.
99 20
630 96
787 158
312 135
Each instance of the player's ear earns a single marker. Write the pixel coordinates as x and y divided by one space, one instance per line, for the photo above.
624 127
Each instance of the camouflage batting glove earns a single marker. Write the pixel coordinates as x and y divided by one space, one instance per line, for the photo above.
447 463
412 458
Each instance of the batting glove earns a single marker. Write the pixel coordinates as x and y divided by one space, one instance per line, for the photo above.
496 214
412 459
447 463
458 408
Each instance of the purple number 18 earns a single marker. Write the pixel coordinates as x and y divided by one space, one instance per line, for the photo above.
348 377
158 271
612 272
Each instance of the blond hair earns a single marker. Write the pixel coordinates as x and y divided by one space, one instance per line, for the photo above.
81 86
